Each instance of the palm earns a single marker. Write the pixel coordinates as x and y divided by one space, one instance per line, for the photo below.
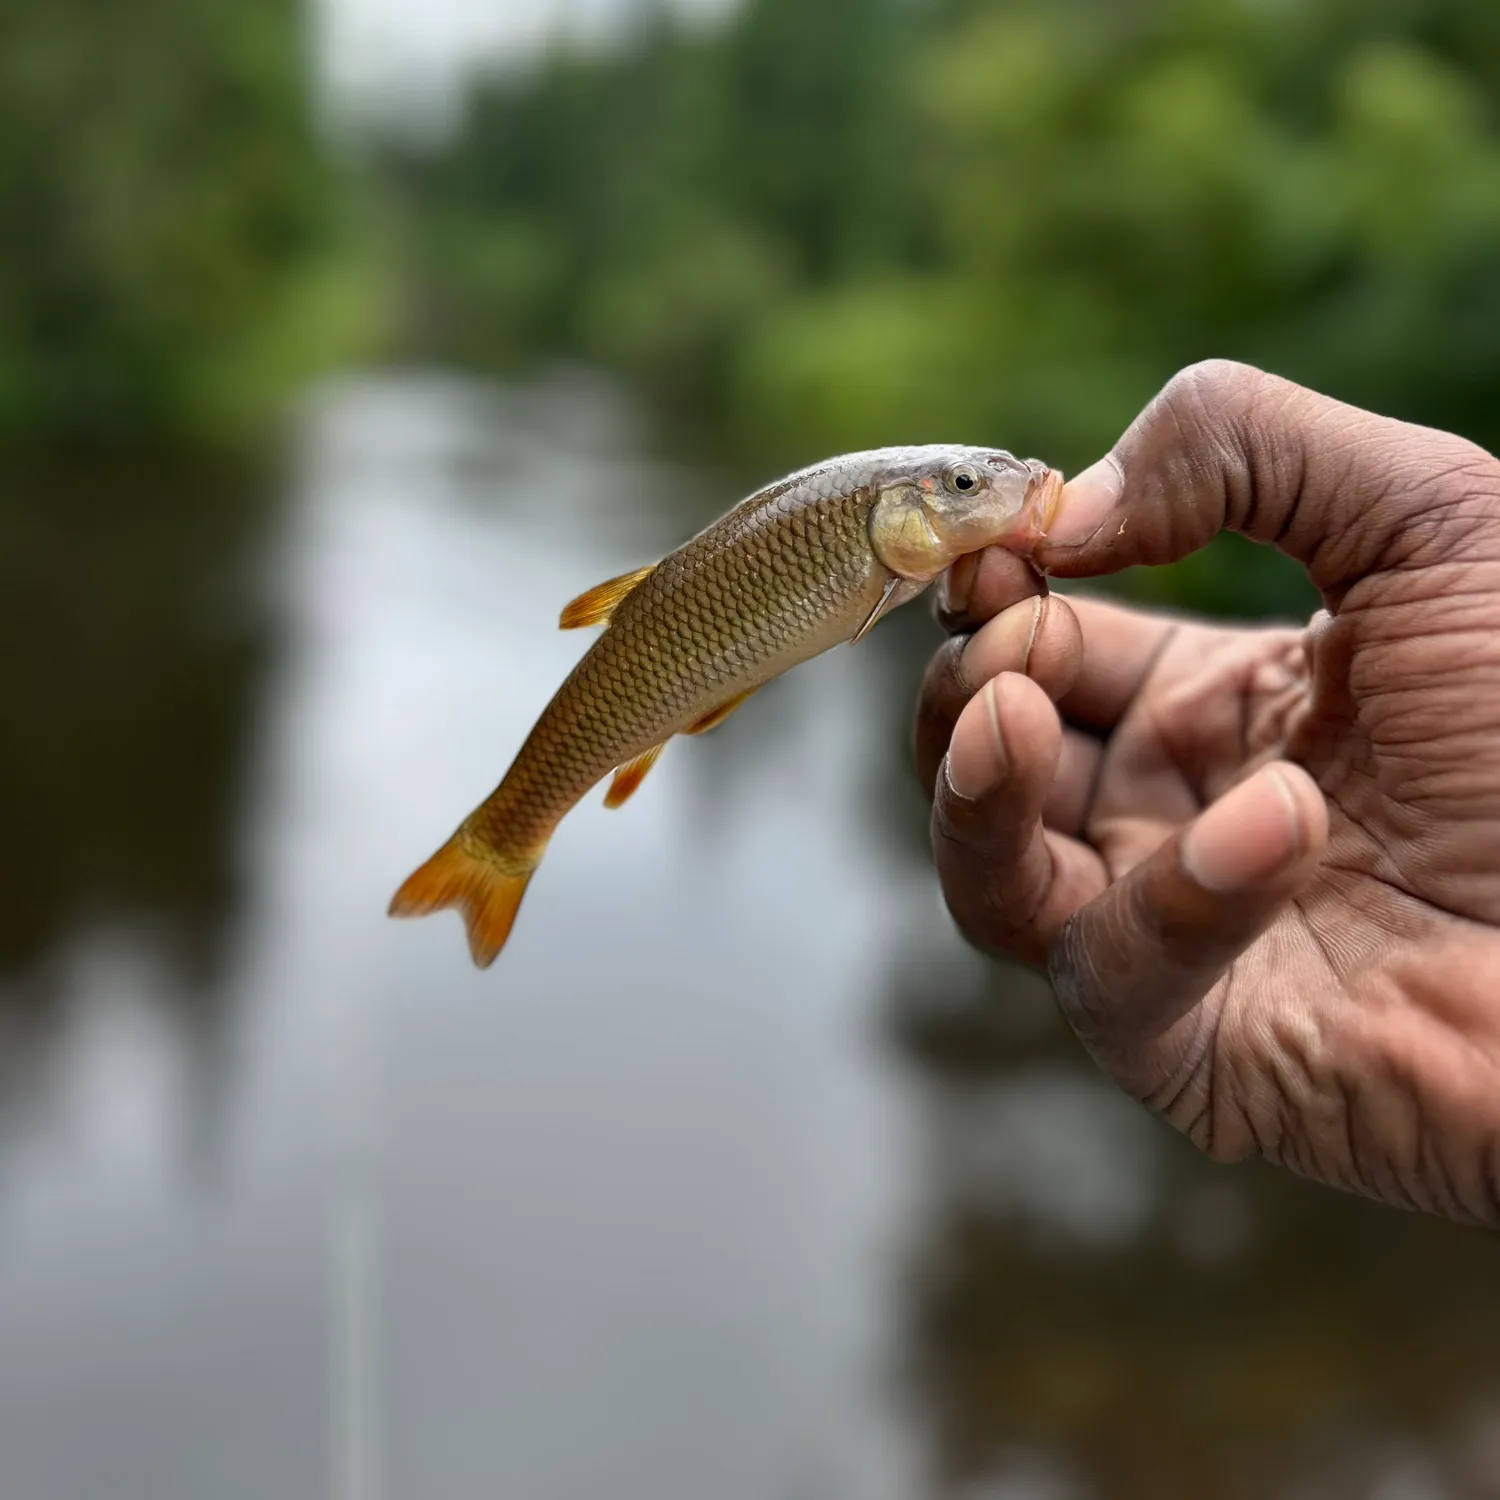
1371 963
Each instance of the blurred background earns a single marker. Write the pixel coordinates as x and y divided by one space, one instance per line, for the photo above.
340 344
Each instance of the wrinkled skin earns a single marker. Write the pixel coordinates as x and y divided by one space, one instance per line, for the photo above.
1261 865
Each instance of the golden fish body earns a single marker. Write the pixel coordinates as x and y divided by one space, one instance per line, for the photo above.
800 566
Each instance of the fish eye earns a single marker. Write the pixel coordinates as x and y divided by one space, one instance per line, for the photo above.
963 478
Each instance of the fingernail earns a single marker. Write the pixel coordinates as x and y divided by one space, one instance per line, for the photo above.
978 766
1004 644
1249 835
1087 501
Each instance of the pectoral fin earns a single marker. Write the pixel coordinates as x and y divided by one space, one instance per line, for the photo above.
600 602
885 603
716 716
631 775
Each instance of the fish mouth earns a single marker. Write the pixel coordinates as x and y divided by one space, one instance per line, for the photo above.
1039 503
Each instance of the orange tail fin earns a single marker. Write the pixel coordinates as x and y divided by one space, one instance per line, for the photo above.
487 896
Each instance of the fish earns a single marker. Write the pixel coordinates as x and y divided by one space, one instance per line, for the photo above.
807 563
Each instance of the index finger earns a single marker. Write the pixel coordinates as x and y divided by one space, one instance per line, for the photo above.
1226 447
981 585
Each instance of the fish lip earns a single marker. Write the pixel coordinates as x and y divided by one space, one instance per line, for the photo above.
1040 501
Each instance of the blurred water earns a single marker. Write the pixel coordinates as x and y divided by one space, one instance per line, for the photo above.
737 1175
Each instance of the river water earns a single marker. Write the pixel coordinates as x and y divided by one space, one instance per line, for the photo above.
736 1176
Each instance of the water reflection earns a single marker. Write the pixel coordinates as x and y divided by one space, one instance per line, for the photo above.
1086 1294
131 686
738 1175
606 1219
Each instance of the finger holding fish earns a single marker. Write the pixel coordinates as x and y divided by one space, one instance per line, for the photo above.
981 584
1037 637
1006 873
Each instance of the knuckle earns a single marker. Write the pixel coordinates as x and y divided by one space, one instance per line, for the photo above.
988 910
1210 440
1215 388
1235 409
1216 377
1259 445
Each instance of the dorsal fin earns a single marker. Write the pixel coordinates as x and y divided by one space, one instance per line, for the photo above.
600 602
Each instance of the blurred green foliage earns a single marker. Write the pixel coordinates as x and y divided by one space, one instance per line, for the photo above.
810 227
173 256
865 221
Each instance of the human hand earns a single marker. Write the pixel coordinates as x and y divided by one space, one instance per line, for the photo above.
1261 865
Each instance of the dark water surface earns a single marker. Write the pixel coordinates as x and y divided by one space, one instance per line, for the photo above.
736 1177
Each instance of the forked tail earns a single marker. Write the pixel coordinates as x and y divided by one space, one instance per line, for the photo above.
487 894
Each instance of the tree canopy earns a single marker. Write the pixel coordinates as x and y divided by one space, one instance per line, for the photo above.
864 221
166 213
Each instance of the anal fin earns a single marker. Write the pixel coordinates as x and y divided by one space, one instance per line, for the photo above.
596 605
716 716
631 775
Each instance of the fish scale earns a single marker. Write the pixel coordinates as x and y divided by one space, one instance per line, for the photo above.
790 572
693 611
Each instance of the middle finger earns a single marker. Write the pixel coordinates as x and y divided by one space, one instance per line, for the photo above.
1037 637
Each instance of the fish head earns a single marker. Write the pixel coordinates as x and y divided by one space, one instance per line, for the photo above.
940 504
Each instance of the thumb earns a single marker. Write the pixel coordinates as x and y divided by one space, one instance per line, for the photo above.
1135 960
1225 446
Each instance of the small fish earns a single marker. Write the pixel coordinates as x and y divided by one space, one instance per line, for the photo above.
802 565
